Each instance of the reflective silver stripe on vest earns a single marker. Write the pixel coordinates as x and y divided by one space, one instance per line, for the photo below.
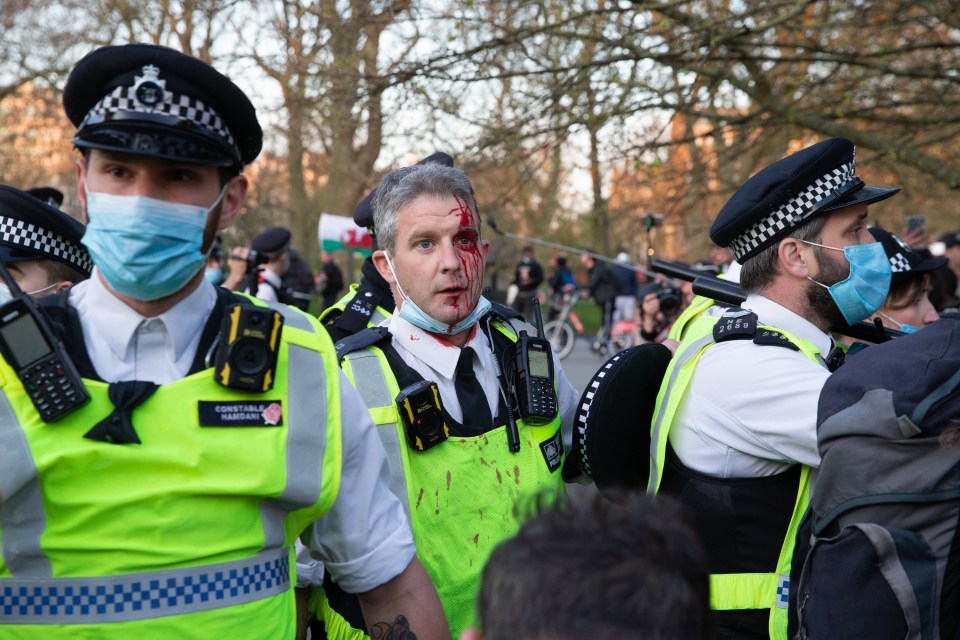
378 317
373 388
306 435
680 360
141 596
22 518
293 317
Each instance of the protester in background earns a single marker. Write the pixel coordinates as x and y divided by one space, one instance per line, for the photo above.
602 287
329 281
298 283
562 284
625 302
39 245
527 278
627 569
266 281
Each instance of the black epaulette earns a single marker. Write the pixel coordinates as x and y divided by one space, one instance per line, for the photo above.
361 340
735 324
773 338
505 312
740 324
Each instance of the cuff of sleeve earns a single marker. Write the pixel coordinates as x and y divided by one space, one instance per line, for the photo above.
379 566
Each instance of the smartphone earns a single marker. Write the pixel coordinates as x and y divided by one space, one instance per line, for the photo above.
916 222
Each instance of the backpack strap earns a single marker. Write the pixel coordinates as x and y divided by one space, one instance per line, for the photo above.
945 389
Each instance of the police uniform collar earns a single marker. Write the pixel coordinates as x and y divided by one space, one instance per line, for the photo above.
184 321
436 353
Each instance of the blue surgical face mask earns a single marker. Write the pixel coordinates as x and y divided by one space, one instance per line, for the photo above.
868 284
416 316
214 275
145 248
906 328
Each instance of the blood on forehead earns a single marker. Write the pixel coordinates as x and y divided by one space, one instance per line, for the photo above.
463 210
470 256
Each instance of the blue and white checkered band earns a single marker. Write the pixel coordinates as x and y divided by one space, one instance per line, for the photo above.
33 238
792 212
147 96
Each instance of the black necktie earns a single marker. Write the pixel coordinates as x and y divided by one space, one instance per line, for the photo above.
473 402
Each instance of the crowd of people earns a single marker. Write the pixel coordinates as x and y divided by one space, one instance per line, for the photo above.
221 462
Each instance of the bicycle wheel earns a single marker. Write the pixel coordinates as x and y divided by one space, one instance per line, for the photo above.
561 337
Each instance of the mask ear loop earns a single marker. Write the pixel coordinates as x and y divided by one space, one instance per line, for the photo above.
396 280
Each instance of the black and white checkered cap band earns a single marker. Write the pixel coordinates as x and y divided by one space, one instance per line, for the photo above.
899 263
33 238
793 212
123 99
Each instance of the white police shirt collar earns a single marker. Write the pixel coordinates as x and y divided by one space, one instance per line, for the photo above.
111 328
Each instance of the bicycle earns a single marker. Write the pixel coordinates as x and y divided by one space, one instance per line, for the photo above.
563 330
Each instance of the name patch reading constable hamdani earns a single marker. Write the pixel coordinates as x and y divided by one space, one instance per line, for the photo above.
244 413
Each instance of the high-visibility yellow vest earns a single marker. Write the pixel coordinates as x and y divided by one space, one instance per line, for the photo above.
186 535
464 495
731 591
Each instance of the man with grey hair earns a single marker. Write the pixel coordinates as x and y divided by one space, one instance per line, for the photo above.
734 435
441 379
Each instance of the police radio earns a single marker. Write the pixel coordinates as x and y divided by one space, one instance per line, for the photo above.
36 354
247 352
535 395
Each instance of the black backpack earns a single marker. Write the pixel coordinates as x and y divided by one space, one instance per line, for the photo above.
879 554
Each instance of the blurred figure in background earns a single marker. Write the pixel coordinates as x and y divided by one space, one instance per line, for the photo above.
562 283
527 278
330 280
907 307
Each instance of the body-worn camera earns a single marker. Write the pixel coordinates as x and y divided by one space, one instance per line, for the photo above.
421 414
249 341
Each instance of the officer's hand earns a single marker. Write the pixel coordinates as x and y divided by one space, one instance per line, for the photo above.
671 344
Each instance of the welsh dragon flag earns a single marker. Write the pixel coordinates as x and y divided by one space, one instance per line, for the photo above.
340 232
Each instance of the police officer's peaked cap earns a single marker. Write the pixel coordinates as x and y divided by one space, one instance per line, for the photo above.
31 229
271 242
154 101
53 197
904 261
363 214
787 193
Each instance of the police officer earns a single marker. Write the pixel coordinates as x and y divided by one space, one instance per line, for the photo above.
449 433
370 302
167 505
39 245
734 434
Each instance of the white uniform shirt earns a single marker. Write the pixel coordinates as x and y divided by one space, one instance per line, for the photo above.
436 361
365 539
751 410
